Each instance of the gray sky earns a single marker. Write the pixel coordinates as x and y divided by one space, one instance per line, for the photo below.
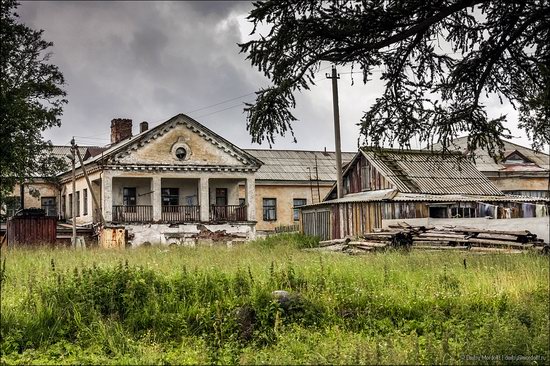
149 61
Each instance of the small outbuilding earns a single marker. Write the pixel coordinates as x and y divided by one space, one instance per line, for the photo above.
389 184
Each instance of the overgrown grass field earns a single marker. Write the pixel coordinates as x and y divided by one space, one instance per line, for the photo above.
214 305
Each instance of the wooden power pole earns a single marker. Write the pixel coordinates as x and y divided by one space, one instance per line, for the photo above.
339 185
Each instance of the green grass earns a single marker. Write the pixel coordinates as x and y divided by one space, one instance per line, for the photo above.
202 305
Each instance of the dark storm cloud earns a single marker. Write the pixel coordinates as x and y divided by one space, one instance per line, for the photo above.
143 60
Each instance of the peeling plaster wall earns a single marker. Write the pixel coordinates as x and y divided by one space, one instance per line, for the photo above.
81 184
185 234
43 189
232 186
521 183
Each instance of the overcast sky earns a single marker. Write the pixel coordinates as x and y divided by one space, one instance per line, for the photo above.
149 61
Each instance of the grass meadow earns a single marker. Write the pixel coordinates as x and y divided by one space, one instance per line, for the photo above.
214 305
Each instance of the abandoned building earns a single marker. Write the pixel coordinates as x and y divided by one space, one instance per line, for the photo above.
289 179
522 171
388 184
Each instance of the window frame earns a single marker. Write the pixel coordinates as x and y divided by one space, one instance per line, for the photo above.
52 207
170 196
269 208
85 201
295 209
126 197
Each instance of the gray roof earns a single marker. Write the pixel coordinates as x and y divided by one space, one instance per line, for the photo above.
296 165
424 171
485 163
63 151
393 195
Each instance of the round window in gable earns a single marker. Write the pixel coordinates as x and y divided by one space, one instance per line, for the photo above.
181 153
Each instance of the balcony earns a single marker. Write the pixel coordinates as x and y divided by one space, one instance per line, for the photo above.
178 214
137 213
228 213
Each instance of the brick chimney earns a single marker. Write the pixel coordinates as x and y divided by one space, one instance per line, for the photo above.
143 126
121 128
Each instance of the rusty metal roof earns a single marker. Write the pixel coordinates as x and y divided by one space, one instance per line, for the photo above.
424 171
296 165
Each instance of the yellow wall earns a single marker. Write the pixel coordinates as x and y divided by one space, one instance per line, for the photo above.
284 194
43 189
520 184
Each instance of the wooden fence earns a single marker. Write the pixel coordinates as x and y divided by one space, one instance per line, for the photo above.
30 230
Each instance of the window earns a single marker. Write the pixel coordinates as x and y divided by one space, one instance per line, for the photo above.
49 206
181 153
346 185
297 202
129 196
170 196
77 203
221 196
85 201
70 205
270 209
242 201
64 205
459 212
365 178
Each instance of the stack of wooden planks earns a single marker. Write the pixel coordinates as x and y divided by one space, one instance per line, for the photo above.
405 236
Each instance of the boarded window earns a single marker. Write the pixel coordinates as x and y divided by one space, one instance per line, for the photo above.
270 209
297 202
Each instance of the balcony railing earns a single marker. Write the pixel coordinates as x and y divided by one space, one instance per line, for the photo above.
181 213
228 213
138 213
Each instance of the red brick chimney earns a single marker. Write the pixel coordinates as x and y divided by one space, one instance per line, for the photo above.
121 128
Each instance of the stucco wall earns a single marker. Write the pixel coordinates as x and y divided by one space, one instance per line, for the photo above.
42 189
284 194
520 184
81 184
536 225
160 151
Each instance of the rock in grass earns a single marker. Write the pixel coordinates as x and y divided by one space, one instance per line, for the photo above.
281 296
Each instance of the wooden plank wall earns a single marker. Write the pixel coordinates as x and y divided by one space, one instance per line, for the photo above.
317 223
356 176
404 210
32 230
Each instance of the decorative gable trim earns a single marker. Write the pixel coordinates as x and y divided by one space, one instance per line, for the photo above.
194 126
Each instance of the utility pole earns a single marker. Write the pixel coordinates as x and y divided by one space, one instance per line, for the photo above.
335 77
96 202
73 209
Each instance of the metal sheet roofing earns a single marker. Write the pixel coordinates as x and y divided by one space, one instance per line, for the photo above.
424 171
296 165
485 163
393 195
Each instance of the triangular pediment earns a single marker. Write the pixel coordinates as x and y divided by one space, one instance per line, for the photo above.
182 141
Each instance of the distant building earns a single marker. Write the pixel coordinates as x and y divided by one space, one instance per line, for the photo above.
523 171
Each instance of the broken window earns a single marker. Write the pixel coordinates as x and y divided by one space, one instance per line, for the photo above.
297 202
181 153
170 196
49 205
270 209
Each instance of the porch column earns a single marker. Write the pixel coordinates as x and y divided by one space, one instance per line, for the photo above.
204 199
250 194
107 195
156 197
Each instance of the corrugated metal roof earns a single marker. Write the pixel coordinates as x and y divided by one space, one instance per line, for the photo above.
296 165
396 196
424 171
485 163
